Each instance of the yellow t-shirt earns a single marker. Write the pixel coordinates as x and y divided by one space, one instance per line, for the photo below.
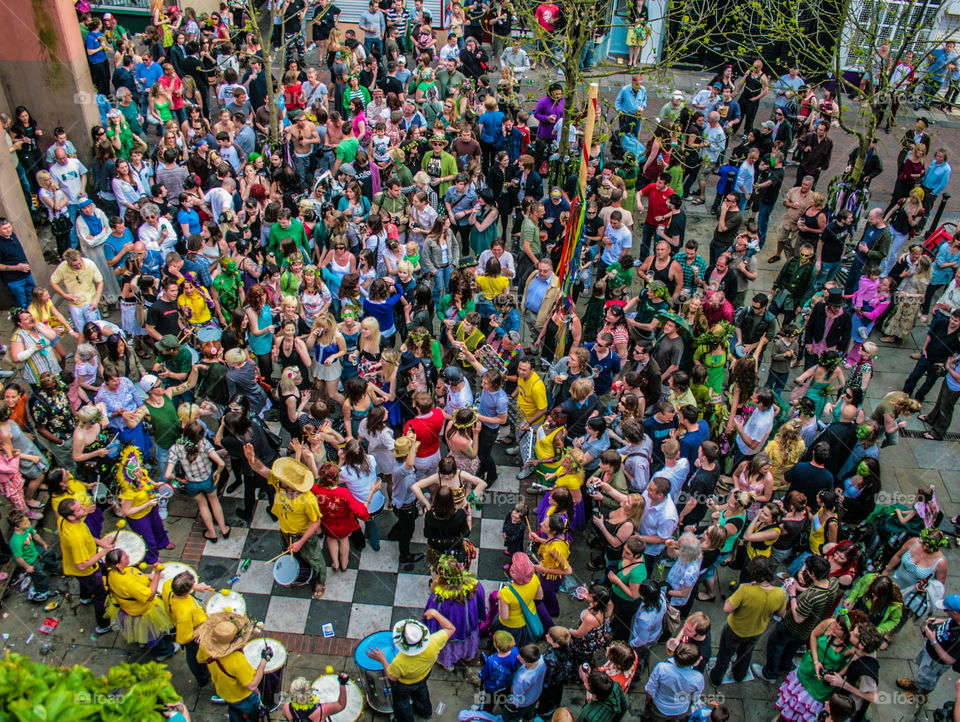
130 589
755 607
137 496
532 396
186 613
527 593
195 308
295 513
554 554
82 283
75 491
231 681
570 481
490 286
42 312
412 669
544 447
77 545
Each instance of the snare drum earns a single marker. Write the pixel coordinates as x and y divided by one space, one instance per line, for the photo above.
172 569
271 686
373 679
163 491
132 544
210 332
377 502
289 571
327 689
220 602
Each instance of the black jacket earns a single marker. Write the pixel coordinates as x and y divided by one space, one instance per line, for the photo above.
839 335
533 187
872 166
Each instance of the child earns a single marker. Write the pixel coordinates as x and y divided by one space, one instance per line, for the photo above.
620 274
498 670
412 256
380 145
866 313
187 615
293 95
521 125
527 685
701 392
785 349
402 499
720 713
593 315
621 664
23 544
559 670
680 393
515 529
378 436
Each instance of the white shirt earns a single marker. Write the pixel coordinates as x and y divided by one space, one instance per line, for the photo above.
758 428
69 177
219 200
449 53
506 262
458 399
676 475
150 237
660 520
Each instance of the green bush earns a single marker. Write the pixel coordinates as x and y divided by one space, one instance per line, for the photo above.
35 692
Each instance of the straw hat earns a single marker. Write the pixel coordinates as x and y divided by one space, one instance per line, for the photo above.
292 474
224 632
411 636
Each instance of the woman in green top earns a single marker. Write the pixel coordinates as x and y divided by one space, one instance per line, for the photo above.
625 584
163 413
483 222
160 103
732 516
713 351
804 691
459 301
880 599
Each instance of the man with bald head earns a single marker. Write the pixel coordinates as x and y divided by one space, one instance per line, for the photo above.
71 175
840 438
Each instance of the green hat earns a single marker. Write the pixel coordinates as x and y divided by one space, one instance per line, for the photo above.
168 342
228 265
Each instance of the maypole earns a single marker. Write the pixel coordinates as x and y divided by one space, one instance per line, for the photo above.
573 237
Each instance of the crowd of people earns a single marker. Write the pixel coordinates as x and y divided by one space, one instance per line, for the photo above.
369 321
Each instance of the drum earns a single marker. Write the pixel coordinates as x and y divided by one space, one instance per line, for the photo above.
373 679
220 602
289 571
113 448
172 569
100 493
163 490
132 544
377 502
271 686
327 689
209 333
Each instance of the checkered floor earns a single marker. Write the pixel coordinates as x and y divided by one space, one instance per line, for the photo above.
374 592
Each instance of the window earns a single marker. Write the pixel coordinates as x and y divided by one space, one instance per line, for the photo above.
895 21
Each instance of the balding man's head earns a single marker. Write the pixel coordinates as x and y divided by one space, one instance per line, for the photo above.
60 155
848 412
229 184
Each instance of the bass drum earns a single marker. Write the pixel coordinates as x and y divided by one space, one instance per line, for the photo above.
373 678
271 686
327 689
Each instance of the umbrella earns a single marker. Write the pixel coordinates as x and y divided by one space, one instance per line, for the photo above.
681 322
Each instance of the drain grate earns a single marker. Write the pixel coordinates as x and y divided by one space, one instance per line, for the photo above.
911 434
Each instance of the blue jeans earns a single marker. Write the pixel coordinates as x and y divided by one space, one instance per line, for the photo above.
777 381
440 283
827 272
923 367
370 43
373 533
782 645
763 221
246 710
21 290
410 699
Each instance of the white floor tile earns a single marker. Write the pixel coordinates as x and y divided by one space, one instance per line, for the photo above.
340 585
412 590
255 579
365 619
385 560
287 614
231 548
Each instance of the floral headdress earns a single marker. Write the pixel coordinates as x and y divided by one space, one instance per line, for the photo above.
454 582
467 425
714 336
131 459
933 539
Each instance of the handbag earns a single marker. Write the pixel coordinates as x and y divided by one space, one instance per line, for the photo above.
531 620
61 225
671 621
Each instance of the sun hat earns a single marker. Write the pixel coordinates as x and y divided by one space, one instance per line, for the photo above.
401 446
438 139
411 637
224 632
291 473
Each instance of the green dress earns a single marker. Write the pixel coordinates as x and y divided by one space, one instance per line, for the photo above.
716 364
831 658
480 240
820 393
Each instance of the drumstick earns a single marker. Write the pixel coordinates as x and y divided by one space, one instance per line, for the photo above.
120 525
285 551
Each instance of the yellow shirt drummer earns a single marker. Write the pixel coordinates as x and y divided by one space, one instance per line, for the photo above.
187 614
134 607
64 485
222 639
297 511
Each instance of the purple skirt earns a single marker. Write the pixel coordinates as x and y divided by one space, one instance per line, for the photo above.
94 522
467 618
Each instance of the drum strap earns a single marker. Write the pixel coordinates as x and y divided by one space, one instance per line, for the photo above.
222 668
